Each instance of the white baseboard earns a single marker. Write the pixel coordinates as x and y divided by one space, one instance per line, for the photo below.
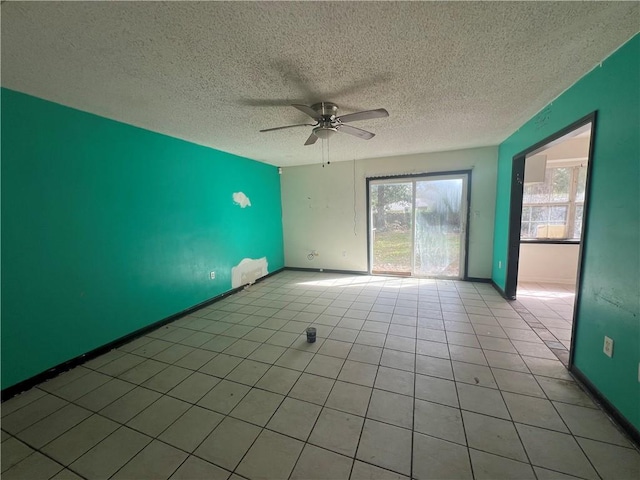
563 281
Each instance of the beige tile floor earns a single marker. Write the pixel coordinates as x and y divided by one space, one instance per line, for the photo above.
408 379
548 309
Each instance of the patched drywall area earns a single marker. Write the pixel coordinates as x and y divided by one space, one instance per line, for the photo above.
325 209
241 199
248 271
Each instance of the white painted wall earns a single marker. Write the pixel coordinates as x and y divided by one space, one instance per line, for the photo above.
324 209
548 263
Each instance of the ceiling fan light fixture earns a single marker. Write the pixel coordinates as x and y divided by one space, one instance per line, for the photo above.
324 132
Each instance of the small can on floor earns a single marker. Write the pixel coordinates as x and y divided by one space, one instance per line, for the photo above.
311 335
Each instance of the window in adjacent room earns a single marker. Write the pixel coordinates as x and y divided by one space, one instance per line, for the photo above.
555 177
552 208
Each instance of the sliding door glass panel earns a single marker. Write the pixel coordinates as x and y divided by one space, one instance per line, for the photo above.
440 218
391 227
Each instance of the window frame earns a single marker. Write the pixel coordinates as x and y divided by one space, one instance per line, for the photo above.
572 203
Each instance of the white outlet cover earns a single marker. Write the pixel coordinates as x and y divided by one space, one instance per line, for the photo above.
608 347
212 275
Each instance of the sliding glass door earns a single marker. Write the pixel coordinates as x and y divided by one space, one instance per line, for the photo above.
440 215
391 220
418 225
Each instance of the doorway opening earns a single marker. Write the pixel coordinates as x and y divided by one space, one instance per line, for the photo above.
417 225
548 211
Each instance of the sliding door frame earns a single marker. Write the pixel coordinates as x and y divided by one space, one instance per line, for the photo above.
411 177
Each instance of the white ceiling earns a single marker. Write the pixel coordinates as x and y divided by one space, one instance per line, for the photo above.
451 74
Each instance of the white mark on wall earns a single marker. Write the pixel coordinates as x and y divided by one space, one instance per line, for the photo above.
241 199
248 271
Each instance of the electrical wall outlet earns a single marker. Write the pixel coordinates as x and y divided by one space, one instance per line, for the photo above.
608 347
212 275
500 264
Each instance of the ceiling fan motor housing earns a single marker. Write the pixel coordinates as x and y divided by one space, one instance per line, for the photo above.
327 112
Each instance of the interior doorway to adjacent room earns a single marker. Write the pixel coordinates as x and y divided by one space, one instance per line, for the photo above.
549 194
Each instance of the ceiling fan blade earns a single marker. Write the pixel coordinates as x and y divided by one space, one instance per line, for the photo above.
308 110
288 126
311 140
366 115
358 132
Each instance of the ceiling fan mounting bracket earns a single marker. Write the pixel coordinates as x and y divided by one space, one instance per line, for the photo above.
326 110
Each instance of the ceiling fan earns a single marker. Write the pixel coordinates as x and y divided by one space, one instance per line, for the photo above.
328 123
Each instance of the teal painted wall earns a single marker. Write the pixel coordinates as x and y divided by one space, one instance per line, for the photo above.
610 292
107 228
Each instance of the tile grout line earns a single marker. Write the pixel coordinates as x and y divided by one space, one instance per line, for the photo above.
323 406
464 429
413 410
355 453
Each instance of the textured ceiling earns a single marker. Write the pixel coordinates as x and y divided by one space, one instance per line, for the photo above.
452 74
